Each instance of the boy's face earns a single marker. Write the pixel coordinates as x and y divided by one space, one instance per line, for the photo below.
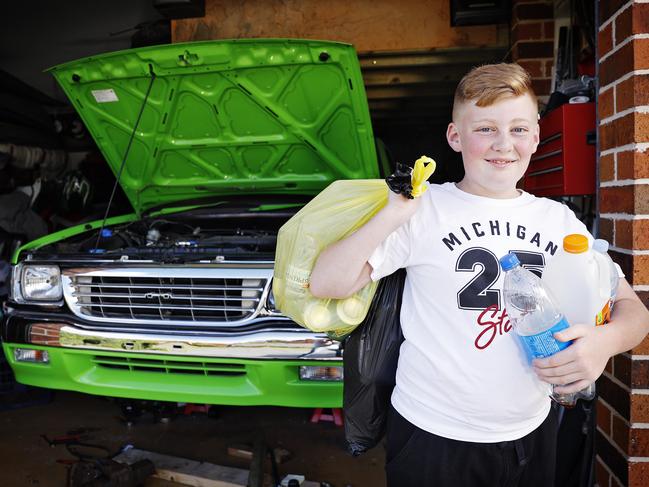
496 143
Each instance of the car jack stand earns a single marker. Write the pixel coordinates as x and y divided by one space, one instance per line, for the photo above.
336 416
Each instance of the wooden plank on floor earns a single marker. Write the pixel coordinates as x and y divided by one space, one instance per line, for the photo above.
187 472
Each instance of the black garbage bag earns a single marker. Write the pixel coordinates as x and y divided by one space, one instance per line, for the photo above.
576 446
370 364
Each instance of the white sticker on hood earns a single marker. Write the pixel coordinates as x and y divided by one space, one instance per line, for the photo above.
104 96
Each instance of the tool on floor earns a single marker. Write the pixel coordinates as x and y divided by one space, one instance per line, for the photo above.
109 473
76 445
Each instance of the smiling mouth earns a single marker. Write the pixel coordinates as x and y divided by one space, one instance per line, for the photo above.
500 162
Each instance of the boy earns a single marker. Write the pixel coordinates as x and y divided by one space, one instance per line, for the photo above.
467 409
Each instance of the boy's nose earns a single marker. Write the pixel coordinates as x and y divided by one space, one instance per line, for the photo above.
502 142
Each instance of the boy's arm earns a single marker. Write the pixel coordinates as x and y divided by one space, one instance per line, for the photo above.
342 268
584 361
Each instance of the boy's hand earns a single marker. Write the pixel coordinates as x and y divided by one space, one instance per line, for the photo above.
578 365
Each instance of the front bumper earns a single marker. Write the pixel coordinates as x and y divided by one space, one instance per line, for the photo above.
177 378
254 368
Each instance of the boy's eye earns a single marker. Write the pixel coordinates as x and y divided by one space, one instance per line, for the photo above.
519 130
485 129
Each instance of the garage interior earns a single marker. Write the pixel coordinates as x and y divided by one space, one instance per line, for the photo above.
411 57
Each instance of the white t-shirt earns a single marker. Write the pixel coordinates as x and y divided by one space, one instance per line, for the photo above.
462 374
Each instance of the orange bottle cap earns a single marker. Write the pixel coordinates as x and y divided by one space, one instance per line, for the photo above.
575 243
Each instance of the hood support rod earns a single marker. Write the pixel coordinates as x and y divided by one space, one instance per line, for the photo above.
128 148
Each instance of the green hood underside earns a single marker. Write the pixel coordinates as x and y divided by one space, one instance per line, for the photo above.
225 117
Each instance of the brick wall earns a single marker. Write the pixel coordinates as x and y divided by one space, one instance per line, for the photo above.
622 443
532 41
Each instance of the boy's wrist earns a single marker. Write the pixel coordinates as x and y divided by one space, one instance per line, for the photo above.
397 213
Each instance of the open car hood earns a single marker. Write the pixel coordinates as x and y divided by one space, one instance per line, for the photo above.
195 120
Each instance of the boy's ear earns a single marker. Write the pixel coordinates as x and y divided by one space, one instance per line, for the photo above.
453 137
537 137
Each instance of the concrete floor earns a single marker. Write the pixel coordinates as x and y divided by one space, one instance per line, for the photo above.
318 449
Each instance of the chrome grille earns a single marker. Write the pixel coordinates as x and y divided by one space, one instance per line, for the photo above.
167 295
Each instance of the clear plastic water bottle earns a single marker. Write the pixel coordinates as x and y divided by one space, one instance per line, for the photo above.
534 315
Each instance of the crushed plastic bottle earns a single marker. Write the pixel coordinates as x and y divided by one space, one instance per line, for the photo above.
534 315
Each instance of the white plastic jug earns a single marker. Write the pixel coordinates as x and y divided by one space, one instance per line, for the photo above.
580 281
600 246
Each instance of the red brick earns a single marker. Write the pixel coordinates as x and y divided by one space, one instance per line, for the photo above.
642 199
548 30
606 106
549 64
643 347
640 18
607 136
617 64
606 228
640 374
641 270
639 408
615 395
527 31
633 127
632 20
638 442
623 25
601 474
616 199
625 261
641 126
624 96
639 231
644 297
612 457
638 474
605 39
632 92
604 418
607 167
533 49
622 368
641 234
624 234
608 8
633 165
541 86
620 432
641 50
534 67
609 366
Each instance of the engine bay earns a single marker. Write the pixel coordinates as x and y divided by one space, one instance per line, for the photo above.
204 234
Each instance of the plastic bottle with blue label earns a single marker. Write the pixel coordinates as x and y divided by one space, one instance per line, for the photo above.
534 315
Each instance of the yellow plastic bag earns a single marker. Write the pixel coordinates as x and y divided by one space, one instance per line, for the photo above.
339 210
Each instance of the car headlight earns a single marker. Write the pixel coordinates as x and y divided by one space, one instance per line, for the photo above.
41 283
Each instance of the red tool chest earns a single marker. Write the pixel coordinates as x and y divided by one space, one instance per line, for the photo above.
564 163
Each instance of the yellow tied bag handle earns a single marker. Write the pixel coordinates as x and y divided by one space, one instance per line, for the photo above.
424 167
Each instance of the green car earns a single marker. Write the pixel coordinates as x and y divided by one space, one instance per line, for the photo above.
216 144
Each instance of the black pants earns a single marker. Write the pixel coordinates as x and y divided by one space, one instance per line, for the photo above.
416 458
